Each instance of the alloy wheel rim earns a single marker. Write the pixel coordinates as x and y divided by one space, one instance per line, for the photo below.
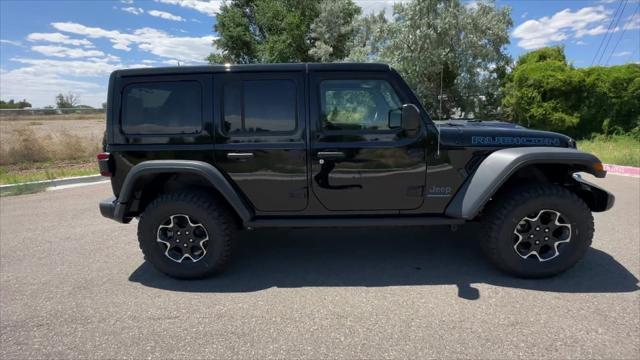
540 236
183 238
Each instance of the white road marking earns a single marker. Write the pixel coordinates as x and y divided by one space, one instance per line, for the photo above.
62 187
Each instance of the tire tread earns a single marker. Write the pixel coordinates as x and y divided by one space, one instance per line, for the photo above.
510 200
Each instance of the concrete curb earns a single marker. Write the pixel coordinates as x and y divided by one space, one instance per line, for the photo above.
55 182
622 170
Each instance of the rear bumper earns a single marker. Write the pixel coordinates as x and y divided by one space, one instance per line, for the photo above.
112 209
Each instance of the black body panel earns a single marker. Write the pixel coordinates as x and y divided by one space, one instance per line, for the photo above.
295 167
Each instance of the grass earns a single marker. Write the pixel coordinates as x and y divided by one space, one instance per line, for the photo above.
26 147
28 172
616 149
28 156
25 189
52 117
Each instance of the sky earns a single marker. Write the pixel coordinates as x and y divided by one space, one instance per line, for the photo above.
49 47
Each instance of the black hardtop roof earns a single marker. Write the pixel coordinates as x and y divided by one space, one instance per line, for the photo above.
253 68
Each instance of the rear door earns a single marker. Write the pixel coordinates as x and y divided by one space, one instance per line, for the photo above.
358 161
259 137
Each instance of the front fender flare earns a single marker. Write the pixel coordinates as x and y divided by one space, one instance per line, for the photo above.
205 170
496 169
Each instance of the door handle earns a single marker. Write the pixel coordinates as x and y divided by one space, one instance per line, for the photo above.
239 156
330 155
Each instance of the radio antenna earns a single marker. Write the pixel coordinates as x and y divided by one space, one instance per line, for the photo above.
440 113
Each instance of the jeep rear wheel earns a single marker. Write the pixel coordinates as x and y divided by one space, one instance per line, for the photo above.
537 231
186 235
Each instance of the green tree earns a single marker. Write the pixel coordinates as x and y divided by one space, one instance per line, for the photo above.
369 38
445 45
67 101
12 104
265 31
333 29
268 31
545 92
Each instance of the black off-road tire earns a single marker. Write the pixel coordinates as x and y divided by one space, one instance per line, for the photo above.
509 208
215 218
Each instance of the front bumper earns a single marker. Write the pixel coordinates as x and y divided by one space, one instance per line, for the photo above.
598 198
112 209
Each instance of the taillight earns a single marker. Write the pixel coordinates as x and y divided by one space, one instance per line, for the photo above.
104 164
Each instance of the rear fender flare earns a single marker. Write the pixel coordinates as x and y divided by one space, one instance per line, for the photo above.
199 168
498 167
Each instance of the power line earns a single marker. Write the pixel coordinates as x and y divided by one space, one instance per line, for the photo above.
607 33
621 36
614 27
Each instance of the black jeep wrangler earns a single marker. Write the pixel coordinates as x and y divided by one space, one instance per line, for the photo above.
197 153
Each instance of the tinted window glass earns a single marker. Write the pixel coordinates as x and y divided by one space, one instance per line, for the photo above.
260 106
162 108
357 104
233 107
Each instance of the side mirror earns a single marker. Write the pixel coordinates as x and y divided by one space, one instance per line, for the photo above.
410 117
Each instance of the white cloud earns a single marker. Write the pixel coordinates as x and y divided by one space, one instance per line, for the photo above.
126 1
580 42
622 53
39 80
133 10
10 42
524 15
65 52
533 34
78 68
633 22
120 41
165 15
58 38
209 8
157 42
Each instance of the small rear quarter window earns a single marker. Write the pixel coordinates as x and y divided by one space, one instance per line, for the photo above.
171 107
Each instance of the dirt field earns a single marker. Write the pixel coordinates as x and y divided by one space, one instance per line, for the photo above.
85 126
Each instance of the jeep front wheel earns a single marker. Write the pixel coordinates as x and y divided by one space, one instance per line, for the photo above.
537 231
186 235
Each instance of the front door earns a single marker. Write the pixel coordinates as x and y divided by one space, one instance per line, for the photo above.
359 160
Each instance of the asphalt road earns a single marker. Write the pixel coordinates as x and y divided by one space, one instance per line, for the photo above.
74 285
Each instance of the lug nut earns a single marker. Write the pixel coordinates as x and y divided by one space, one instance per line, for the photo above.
185 245
531 236
179 232
190 240
537 242
537 228
546 230
546 238
186 232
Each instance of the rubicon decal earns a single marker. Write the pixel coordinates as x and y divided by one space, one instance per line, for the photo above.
511 140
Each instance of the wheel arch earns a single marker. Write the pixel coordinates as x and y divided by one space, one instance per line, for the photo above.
507 167
148 179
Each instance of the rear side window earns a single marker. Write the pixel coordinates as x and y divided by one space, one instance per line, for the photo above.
257 106
162 108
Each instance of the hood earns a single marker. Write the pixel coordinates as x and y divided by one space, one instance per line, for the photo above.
497 134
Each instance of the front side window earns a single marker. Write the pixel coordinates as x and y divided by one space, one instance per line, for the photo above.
258 106
357 104
162 108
